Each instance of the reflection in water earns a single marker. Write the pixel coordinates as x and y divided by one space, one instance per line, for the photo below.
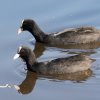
39 49
86 46
71 49
78 76
28 84
5 86
82 52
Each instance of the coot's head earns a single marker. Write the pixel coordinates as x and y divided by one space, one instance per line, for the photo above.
26 25
32 27
26 54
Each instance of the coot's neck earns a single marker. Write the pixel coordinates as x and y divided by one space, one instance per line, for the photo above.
38 33
30 60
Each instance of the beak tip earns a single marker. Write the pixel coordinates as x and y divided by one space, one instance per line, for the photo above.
19 31
16 56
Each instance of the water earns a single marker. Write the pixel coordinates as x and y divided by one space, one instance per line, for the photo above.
52 16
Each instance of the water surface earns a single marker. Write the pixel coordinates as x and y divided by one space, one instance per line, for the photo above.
52 16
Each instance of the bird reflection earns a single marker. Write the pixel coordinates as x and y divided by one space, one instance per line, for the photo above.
77 76
39 49
86 46
84 49
28 84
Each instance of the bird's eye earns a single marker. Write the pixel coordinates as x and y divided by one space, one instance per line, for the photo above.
22 51
24 24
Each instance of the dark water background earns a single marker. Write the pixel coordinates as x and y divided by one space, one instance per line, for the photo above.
52 16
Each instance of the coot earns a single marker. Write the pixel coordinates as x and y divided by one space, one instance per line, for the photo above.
71 64
79 35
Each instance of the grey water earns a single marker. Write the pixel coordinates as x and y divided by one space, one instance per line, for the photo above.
51 16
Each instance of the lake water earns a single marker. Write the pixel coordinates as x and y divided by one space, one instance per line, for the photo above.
51 16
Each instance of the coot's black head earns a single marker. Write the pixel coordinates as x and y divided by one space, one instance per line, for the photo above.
26 25
23 52
26 54
32 27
